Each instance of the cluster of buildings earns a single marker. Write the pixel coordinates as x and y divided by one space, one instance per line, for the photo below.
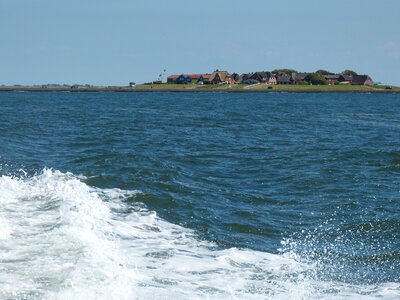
223 77
217 77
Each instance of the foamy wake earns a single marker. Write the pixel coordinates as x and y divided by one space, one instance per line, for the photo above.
61 239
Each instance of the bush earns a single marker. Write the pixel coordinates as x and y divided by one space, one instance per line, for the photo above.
324 72
316 78
284 71
349 72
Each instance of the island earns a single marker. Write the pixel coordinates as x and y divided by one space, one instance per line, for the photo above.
279 80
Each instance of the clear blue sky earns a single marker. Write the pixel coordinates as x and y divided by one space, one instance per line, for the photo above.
114 42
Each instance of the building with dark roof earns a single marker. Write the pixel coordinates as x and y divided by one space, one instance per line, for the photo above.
300 77
284 79
332 79
235 76
188 78
345 78
260 76
362 80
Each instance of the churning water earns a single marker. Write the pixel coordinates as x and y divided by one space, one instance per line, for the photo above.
193 196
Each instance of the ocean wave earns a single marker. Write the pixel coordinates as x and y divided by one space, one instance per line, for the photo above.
63 239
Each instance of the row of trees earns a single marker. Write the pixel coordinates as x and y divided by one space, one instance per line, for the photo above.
345 72
321 72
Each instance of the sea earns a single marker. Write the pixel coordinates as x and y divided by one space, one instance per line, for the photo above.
199 195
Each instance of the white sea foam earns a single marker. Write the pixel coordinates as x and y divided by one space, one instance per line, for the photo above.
61 239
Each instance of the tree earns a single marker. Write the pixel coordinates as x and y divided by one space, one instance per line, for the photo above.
316 78
349 72
324 72
284 71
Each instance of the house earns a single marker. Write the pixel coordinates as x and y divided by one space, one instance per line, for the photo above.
199 78
204 78
229 80
272 79
219 77
332 79
235 76
261 77
172 78
362 80
183 79
343 78
300 77
284 79
189 78
243 78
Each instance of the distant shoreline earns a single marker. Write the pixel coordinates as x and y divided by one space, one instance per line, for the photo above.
209 89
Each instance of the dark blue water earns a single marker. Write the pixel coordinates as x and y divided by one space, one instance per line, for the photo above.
313 174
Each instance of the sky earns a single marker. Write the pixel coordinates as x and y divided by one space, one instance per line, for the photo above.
116 42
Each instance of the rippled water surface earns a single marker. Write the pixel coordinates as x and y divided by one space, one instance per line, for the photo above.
193 196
